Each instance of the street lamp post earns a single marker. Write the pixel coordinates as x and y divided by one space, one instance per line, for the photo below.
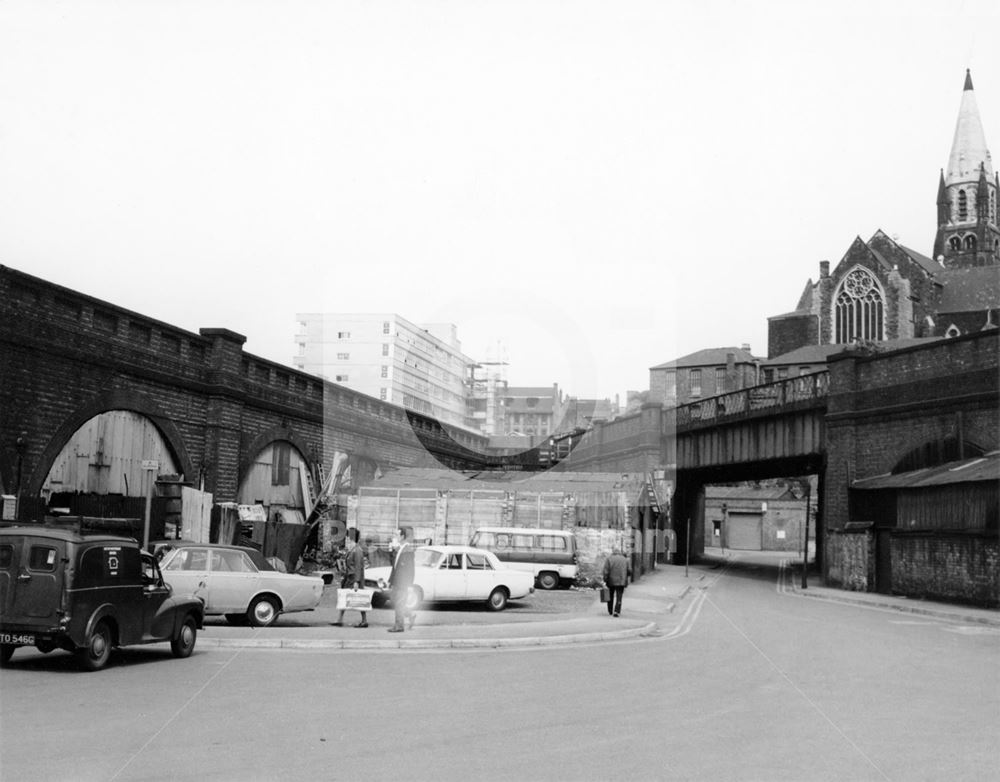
805 537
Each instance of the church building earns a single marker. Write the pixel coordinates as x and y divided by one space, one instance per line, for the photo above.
881 291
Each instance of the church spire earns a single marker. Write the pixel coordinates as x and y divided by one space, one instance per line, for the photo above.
968 218
968 149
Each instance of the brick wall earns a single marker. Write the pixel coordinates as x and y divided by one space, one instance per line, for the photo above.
68 357
786 333
947 566
883 406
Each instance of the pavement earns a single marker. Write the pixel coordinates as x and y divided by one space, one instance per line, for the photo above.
651 606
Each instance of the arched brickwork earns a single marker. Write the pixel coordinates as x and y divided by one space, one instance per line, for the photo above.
67 357
113 400
264 439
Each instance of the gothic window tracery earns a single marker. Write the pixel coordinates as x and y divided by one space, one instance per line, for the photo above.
963 206
970 242
859 308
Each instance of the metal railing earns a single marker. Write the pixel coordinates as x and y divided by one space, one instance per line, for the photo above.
802 388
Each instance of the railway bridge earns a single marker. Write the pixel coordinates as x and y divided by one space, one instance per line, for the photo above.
875 411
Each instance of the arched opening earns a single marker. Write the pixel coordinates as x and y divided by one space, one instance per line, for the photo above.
963 205
955 243
105 456
970 242
276 479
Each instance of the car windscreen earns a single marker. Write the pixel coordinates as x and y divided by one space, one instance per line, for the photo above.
425 557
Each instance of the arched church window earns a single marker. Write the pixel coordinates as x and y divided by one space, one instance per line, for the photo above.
963 206
970 242
956 243
859 308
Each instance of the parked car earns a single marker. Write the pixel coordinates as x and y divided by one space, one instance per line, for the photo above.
238 583
446 573
87 593
548 554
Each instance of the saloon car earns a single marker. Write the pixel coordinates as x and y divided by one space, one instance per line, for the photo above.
87 593
456 573
238 583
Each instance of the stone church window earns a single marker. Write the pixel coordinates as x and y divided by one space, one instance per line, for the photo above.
963 206
970 242
956 243
859 309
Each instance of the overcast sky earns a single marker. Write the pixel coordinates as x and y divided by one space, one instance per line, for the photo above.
598 186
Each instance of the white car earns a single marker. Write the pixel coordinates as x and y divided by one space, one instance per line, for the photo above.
238 583
446 573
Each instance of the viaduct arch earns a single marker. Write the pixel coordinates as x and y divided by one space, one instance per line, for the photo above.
68 357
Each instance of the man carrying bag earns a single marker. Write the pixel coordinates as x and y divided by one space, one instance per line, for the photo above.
354 579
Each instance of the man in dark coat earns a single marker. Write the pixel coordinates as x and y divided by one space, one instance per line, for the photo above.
617 571
354 572
401 579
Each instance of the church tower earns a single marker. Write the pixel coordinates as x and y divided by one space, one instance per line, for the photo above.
968 199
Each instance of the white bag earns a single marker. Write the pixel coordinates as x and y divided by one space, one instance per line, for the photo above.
354 599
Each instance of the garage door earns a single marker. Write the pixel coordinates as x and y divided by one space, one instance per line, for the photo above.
744 531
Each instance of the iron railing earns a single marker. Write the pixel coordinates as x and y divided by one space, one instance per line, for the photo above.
803 388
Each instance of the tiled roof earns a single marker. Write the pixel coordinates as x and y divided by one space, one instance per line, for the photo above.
930 266
982 468
818 354
709 357
968 290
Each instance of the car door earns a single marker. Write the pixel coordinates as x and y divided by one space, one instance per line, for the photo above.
480 577
186 570
449 578
232 581
154 593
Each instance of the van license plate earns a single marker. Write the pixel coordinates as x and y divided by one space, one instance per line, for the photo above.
17 638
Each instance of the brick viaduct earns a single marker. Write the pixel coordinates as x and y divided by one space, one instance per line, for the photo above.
66 357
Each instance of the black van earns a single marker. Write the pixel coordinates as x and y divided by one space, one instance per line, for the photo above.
87 593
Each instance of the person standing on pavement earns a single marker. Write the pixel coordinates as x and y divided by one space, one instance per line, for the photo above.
617 572
354 573
401 579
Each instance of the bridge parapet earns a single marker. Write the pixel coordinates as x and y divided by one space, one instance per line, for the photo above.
764 399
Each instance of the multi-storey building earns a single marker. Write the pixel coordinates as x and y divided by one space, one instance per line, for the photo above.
419 367
487 389
532 410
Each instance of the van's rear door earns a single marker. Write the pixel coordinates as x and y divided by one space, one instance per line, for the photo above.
34 581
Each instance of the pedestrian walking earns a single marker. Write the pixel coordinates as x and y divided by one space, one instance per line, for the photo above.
354 573
401 579
617 572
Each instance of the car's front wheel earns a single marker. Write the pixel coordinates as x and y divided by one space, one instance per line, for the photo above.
548 580
263 611
97 652
497 600
414 597
183 643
